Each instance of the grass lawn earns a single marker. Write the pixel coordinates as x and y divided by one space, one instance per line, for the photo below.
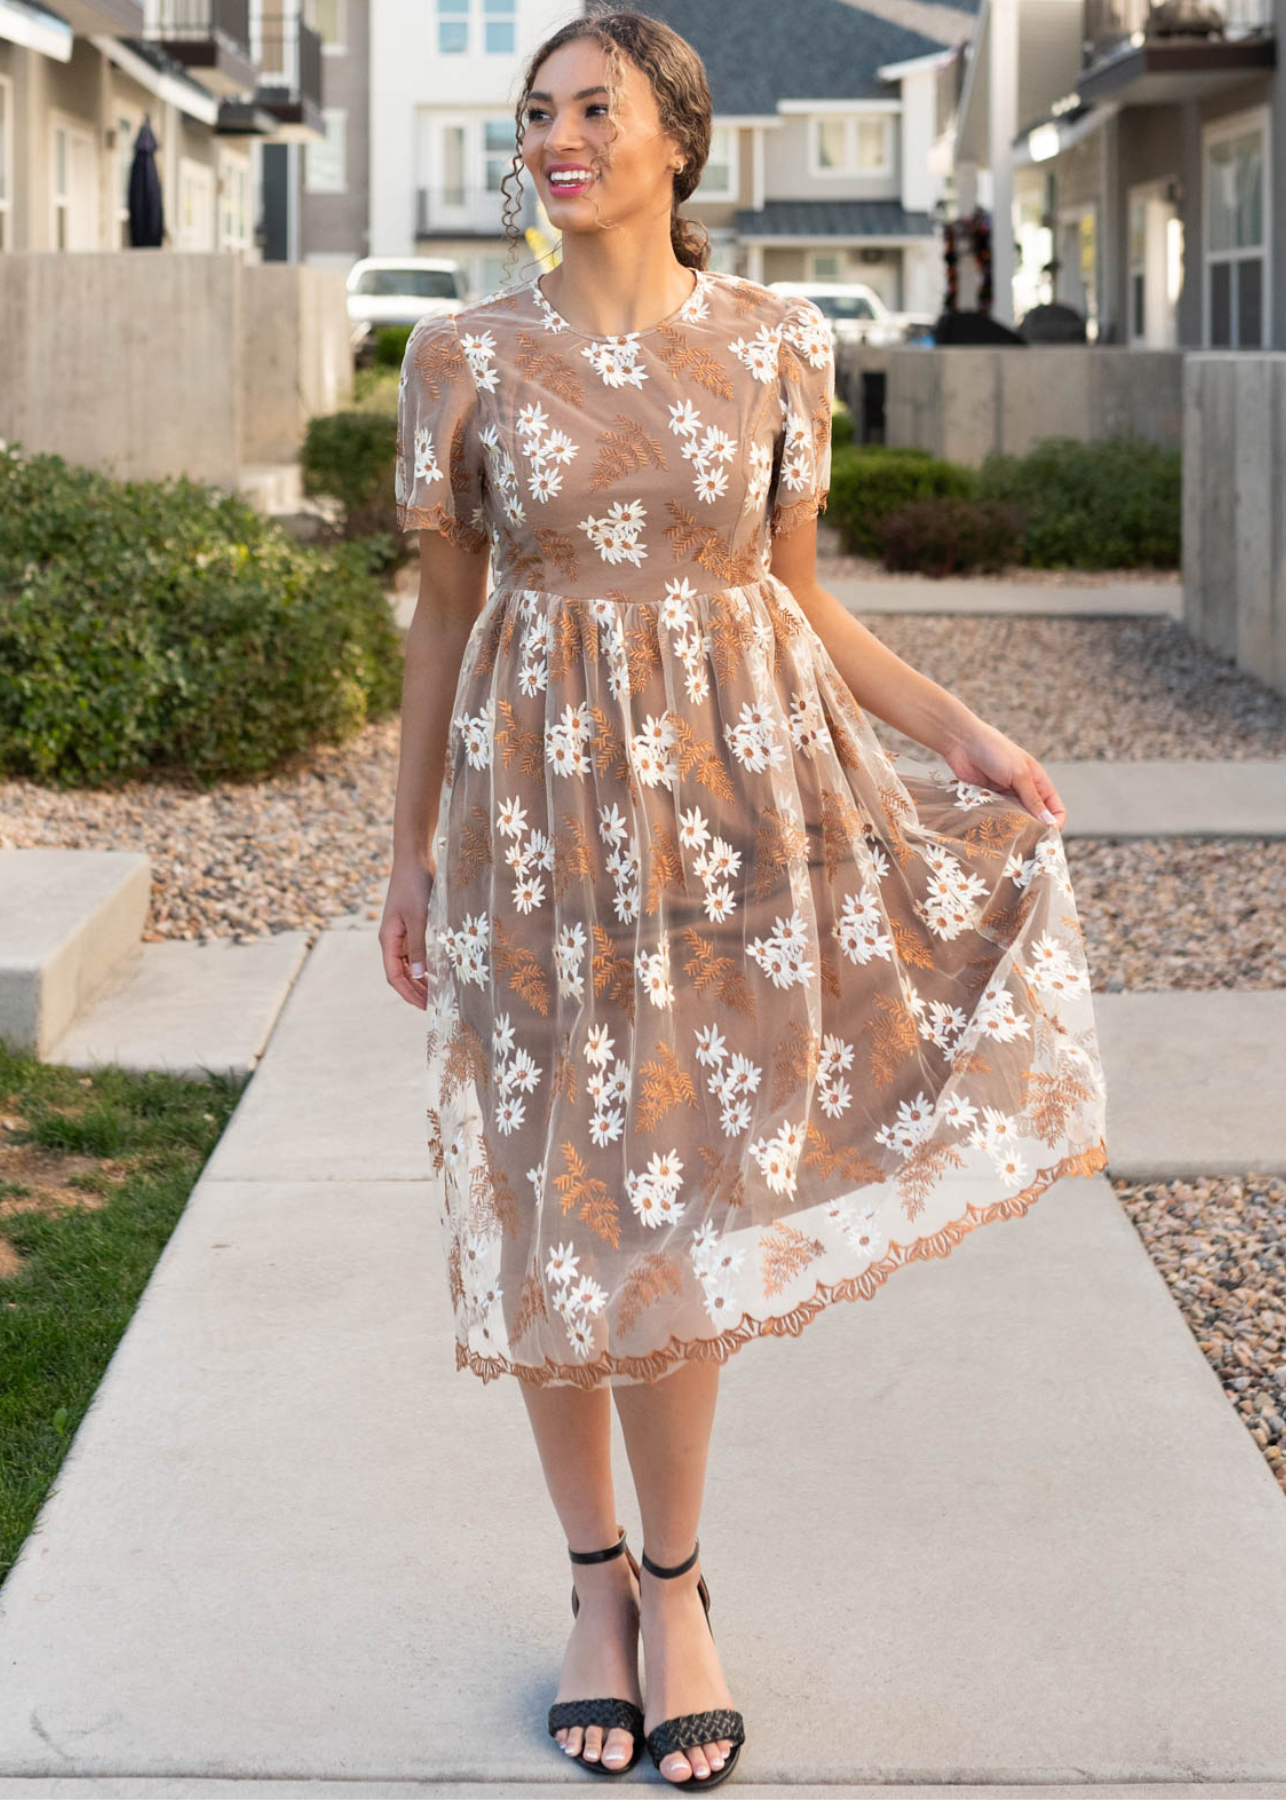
95 1170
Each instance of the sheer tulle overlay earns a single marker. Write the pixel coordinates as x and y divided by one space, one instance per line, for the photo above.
731 1013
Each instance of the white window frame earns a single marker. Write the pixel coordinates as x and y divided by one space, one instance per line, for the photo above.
455 16
6 162
1237 125
74 127
333 115
484 155
885 111
509 18
236 170
196 178
733 159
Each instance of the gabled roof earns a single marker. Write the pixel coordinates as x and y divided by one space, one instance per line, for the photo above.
759 52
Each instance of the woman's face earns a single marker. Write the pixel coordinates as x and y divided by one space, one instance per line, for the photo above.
626 162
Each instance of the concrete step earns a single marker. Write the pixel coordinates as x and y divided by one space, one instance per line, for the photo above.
1179 799
188 1008
1010 1530
978 594
1196 1082
69 927
272 487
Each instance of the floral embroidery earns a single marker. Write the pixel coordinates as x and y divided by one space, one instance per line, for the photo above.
732 1013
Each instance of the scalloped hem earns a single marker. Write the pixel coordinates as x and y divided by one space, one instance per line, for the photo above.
855 1287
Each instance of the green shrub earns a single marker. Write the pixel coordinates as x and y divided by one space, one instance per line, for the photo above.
841 426
390 345
947 536
161 627
350 456
1110 505
868 483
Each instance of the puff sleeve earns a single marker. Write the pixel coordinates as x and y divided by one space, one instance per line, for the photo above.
805 389
439 476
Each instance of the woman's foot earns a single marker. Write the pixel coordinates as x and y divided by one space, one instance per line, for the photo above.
602 1657
683 1670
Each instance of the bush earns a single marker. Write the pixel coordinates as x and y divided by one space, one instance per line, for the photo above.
867 484
390 345
351 457
948 535
1110 505
160 627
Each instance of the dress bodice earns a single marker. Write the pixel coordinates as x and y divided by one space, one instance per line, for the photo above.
629 468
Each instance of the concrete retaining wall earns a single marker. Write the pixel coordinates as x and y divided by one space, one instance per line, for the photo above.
295 360
963 403
1234 508
146 364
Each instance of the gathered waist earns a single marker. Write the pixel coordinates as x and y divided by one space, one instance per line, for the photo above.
675 589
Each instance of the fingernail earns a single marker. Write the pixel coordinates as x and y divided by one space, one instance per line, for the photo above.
1049 817
417 969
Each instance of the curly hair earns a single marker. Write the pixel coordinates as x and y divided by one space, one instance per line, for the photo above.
683 102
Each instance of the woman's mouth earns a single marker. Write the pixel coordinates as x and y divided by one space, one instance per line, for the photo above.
575 181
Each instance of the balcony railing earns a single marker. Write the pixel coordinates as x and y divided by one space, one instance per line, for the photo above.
459 209
1111 22
289 55
228 21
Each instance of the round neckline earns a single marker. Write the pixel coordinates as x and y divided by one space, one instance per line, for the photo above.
619 337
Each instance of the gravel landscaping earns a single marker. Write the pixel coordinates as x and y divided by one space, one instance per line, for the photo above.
1221 1246
1092 689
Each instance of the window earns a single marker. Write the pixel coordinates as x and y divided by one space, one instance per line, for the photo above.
498 27
826 265
1236 233
326 164
453 27
498 145
234 202
327 19
851 144
719 177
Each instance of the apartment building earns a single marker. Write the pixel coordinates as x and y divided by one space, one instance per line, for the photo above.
1134 147
230 88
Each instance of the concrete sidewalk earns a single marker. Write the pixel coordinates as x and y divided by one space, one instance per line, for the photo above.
998 1525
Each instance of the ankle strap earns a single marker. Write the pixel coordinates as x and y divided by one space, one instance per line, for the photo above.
593 1556
678 1569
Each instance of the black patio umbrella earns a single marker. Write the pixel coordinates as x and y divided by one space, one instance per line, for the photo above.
146 208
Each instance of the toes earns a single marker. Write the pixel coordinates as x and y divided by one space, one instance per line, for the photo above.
679 1769
697 1757
618 1748
716 1753
575 1737
593 1743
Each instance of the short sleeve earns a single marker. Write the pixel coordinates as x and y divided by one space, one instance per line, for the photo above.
439 477
806 390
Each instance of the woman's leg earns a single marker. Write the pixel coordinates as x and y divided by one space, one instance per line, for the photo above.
667 1427
573 1427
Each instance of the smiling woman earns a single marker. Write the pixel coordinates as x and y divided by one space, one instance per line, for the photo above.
731 1014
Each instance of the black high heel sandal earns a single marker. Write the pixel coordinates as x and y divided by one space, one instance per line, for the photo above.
687 1729
607 1711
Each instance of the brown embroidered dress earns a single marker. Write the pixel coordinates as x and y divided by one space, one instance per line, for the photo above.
731 1013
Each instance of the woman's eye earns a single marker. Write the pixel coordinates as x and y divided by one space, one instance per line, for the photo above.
538 112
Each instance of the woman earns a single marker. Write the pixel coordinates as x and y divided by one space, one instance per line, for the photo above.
731 1013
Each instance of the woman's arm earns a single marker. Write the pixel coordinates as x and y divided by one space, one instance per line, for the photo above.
453 588
883 683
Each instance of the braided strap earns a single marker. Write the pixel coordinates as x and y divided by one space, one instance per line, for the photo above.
695 1728
607 1712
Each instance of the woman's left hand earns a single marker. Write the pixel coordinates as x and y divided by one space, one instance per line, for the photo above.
988 758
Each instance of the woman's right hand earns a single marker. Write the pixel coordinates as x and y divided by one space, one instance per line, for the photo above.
403 929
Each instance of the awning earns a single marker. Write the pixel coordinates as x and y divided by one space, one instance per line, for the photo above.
1057 133
35 28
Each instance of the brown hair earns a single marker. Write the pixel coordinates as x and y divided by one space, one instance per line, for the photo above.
683 103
